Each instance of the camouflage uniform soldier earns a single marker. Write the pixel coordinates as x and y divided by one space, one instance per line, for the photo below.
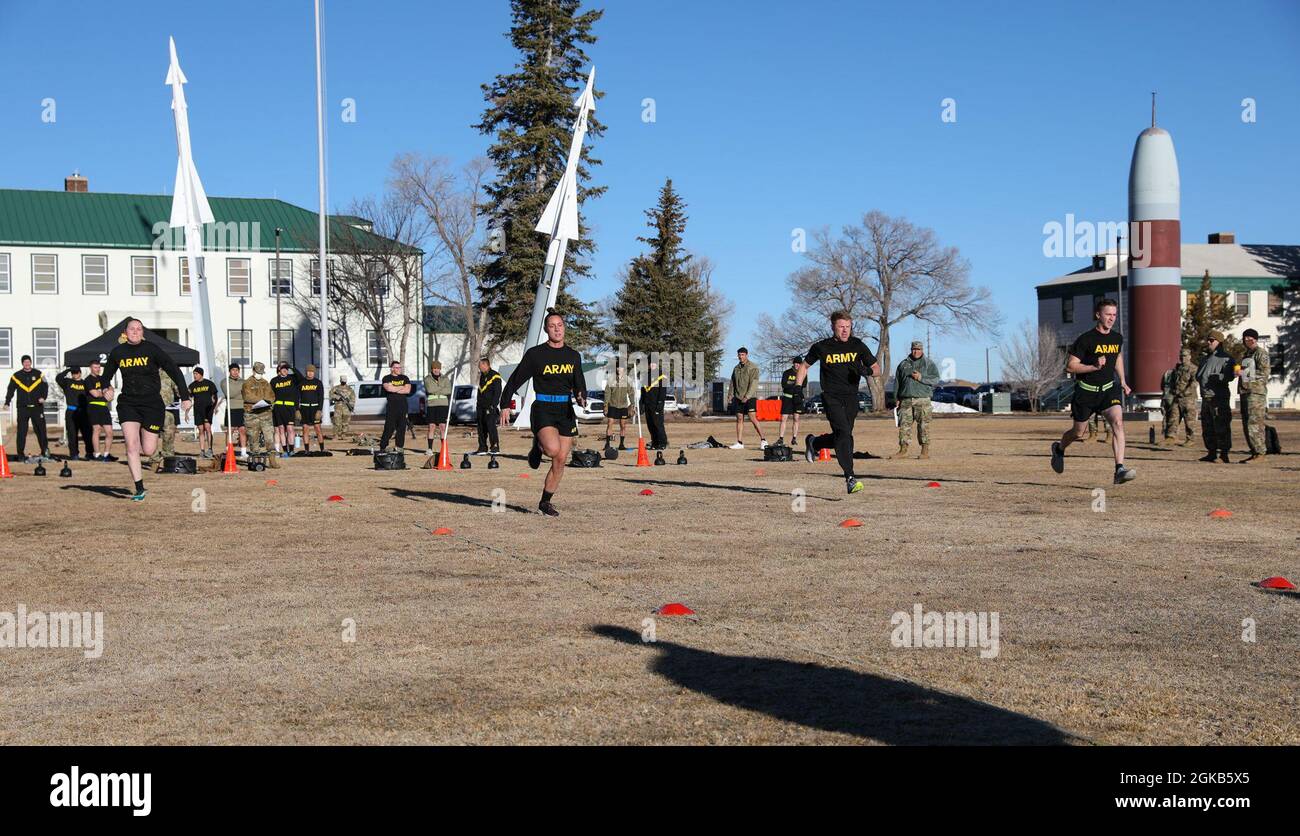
1252 387
914 383
257 420
167 442
1179 400
1095 426
1213 374
344 401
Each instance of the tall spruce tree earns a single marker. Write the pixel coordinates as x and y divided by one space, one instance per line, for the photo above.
663 306
1209 311
530 116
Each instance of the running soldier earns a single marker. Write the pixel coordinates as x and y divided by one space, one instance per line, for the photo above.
344 401
1213 375
76 423
556 373
486 411
793 395
744 398
1252 391
914 383
1097 363
140 406
845 361
32 390
1179 400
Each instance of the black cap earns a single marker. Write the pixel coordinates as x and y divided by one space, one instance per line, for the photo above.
74 369
1250 332
198 369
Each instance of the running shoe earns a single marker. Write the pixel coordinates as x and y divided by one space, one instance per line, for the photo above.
548 509
762 444
139 497
1124 474
109 457
808 443
535 457
738 446
480 452
855 486
1058 457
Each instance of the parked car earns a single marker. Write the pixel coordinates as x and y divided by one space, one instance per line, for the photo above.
816 406
464 405
372 400
953 394
595 408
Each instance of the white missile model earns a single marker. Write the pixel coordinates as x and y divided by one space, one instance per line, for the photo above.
190 211
559 221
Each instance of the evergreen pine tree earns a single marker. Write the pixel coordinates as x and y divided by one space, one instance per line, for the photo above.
530 116
1209 311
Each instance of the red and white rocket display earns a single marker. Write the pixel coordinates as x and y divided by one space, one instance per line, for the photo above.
1155 262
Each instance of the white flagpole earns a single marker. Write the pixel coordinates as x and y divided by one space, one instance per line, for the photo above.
326 372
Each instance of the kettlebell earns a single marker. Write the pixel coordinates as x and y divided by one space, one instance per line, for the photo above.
464 463
40 470
66 472
659 457
681 457
493 464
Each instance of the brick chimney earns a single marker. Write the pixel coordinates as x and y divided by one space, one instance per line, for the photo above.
76 183
1223 237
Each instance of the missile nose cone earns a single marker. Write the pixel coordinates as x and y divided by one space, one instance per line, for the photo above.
1153 182
174 74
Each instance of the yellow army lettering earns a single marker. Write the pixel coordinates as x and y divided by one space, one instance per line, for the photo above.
1113 348
557 368
131 362
847 357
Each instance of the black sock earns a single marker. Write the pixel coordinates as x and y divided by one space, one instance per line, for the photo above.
546 497
139 486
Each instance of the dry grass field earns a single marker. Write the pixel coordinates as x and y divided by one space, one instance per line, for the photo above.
225 620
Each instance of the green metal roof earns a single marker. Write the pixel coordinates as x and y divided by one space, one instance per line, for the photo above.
102 220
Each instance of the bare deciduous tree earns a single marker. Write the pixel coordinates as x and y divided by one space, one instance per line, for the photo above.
451 203
884 271
1032 360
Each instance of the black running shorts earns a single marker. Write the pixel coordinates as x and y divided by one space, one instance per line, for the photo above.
282 416
791 406
99 416
558 415
744 407
148 416
236 418
1085 404
310 414
617 411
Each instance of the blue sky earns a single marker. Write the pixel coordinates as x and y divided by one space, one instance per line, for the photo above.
769 116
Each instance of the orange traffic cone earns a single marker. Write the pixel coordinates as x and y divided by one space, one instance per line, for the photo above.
230 466
444 457
642 460
824 454
5 472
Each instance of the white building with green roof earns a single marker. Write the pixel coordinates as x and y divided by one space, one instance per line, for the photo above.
1261 281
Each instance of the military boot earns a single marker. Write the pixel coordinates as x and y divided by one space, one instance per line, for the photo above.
925 451
902 452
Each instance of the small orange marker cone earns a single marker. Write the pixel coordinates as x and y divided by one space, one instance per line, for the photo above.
5 472
824 454
442 531
674 609
335 498
851 523
444 457
272 482
642 460
1277 582
1220 513
230 466
932 484
760 472
647 492
523 475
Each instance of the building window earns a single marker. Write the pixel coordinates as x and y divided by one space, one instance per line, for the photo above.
1242 300
315 275
239 347
1274 304
185 273
377 277
282 346
376 349
6 348
280 272
6 285
1067 309
334 347
45 348
94 274
239 280
45 273
144 275
1276 360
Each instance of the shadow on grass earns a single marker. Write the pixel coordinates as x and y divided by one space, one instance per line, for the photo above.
103 490
840 700
453 498
673 483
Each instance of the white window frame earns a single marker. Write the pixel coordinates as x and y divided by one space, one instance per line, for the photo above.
230 264
85 290
137 260
314 271
274 272
6 274
36 352
276 356
6 348
373 345
235 355
55 258
1238 297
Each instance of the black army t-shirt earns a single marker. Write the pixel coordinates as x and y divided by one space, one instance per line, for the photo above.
309 391
204 394
790 385
396 400
844 364
1092 344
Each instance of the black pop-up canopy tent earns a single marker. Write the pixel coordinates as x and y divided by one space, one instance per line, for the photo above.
84 355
